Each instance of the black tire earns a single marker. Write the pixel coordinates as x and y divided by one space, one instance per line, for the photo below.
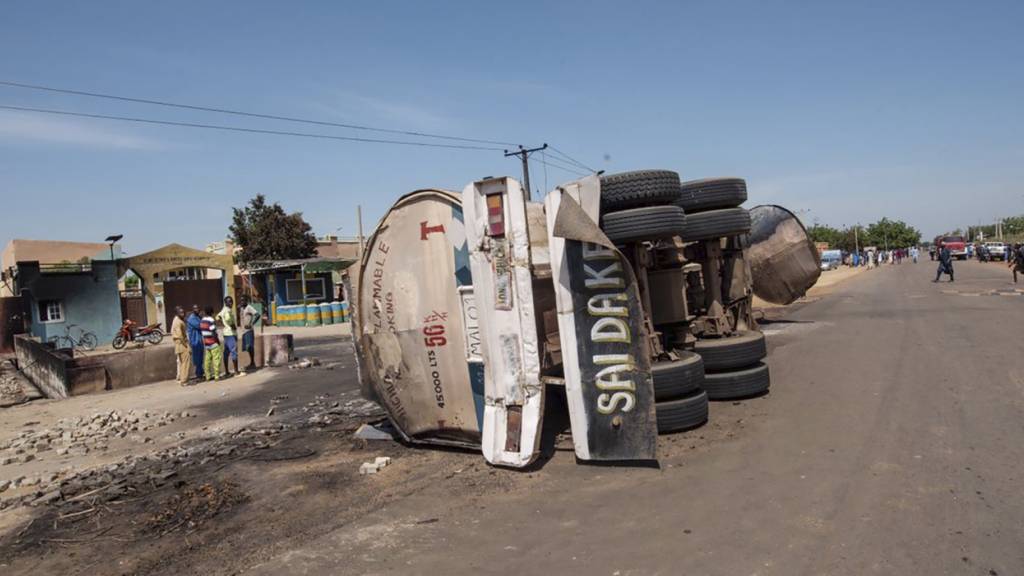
685 413
712 193
743 383
119 342
716 224
647 223
724 354
639 188
679 378
156 336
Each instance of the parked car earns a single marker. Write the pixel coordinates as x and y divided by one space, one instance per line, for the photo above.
996 250
831 259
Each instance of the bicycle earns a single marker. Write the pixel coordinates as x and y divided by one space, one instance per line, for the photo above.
86 340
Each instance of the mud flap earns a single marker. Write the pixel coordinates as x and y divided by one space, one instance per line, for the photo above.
604 344
499 248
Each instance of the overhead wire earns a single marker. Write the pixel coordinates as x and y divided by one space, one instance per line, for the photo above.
571 160
248 130
553 164
248 114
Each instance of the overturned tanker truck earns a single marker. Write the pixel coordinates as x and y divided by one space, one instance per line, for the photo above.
630 294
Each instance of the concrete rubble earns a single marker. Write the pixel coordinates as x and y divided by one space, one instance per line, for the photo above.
82 435
139 473
373 467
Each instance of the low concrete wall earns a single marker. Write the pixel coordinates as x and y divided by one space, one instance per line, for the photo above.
59 375
127 368
43 366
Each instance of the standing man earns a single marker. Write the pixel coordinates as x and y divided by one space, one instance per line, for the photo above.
1016 259
945 264
248 315
182 350
212 355
195 339
229 325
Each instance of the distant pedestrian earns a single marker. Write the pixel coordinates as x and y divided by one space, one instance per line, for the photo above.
213 355
1017 261
914 253
945 264
182 350
195 339
248 315
229 326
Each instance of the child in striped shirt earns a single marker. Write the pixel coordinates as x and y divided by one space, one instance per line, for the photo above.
212 358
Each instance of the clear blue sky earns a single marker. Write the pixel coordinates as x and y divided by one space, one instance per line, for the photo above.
851 110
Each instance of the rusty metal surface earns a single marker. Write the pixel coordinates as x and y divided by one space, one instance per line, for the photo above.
408 325
783 261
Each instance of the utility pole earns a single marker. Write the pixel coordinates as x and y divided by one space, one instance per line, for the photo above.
523 154
359 218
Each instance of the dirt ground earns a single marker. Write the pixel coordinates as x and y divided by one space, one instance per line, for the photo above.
880 450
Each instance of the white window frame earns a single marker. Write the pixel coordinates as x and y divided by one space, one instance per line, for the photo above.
297 283
60 308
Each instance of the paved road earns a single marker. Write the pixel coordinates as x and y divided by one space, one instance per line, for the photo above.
892 443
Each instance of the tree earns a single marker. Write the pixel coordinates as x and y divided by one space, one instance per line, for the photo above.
824 233
892 234
265 232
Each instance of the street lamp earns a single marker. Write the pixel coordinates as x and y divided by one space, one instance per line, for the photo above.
111 240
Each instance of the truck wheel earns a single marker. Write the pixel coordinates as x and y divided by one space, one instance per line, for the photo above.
712 193
682 414
639 188
722 354
678 378
737 384
716 224
647 223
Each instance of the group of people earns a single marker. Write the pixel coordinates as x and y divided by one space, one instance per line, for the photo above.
205 342
872 258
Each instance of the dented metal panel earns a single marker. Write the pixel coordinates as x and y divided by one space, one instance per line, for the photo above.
784 263
410 321
604 345
499 243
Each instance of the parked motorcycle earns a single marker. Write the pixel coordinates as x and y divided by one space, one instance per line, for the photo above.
130 332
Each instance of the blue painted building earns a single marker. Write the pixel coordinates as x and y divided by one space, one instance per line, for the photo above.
61 295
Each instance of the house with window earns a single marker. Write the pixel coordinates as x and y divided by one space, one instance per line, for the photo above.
69 298
49 252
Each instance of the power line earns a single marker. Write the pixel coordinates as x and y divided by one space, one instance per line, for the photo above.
249 130
248 114
553 164
572 160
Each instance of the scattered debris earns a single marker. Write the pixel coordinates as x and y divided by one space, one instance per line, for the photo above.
81 435
138 474
380 431
303 363
193 506
373 467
